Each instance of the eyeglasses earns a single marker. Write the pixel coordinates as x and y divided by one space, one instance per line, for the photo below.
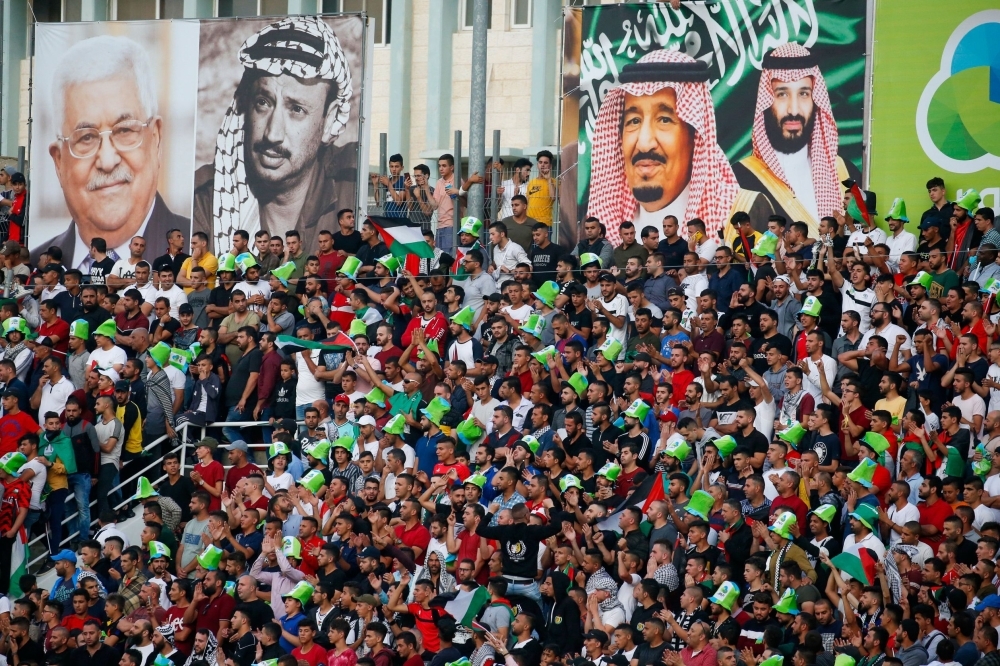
86 141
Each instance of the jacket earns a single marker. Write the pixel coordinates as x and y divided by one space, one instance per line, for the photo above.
519 544
83 437
563 619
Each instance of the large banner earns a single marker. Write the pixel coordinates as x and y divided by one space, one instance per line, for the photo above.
936 101
204 126
712 109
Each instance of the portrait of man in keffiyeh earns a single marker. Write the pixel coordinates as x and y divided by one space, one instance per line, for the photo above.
656 152
794 161
276 166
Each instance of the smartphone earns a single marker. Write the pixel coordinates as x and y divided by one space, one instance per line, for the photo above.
406 176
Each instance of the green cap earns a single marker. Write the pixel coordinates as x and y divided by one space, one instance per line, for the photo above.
776 660
544 356
12 462
285 270
610 349
464 661
534 325
897 211
157 549
312 481
783 524
468 432
471 225
876 442
160 353
230 588
970 201
357 327
477 479
436 410
867 514
788 603
826 513
726 595
107 329
793 434
531 442
432 345
291 547
923 278
700 504
245 261
864 472
319 450
578 382
79 329
547 293
145 489
227 263
677 447
395 425
346 442
464 317
390 262
210 558
726 445
610 471
302 591
811 306
844 660
350 268
277 449
180 358
163 661
992 286
377 396
637 410
274 662
569 481
588 258
766 245
18 324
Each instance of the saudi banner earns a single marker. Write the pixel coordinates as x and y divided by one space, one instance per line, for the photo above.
936 101
711 110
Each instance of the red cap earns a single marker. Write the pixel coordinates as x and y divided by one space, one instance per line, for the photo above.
342 398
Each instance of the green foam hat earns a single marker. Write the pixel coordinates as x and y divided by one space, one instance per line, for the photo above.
844 660
569 481
285 270
726 595
545 356
547 293
12 463
864 472
776 660
867 514
970 201
157 549
468 432
320 450
464 317
700 504
531 442
245 261
783 524
677 447
277 449
725 445
534 325
788 603
826 513
923 278
876 442
145 489
436 410
811 306
578 382
471 225
269 662
395 425
766 245
107 329
302 591
79 329
464 661
793 434
377 396
350 268
390 262
610 349
992 286
230 588
637 410
160 353
898 210
210 558
982 468
431 345
346 442
292 547
610 471
477 479
181 358
163 661
312 481
357 327
227 264
20 325
588 258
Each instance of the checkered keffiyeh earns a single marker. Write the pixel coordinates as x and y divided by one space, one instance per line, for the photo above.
600 580
713 185
822 145
301 46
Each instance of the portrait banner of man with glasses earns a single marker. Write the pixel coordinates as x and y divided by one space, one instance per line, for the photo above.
113 140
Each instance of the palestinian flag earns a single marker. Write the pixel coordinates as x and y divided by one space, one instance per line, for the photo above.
458 268
657 492
652 489
856 206
402 237
291 345
466 605
857 562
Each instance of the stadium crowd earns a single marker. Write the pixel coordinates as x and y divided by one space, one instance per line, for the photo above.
676 450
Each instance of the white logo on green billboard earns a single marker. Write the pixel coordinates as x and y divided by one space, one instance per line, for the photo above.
958 116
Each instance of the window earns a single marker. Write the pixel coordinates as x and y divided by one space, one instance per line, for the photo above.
47 11
135 10
273 7
520 14
171 9
237 8
380 11
72 10
470 6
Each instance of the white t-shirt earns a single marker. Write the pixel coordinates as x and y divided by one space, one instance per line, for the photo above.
970 407
54 397
462 351
889 334
390 486
283 482
106 359
901 517
411 455
871 541
763 422
176 377
618 306
124 269
262 288
148 292
994 374
860 302
904 242
707 250
858 237
693 286
308 389
484 412
519 314
176 296
829 368
37 482
992 488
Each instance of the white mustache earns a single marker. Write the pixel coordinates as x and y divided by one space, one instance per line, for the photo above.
121 174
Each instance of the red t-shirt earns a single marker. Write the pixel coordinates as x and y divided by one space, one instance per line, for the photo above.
60 328
468 547
883 480
260 504
980 332
680 380
213 611
415 660
624 483
309 564
16 494
235 475
419 537
934 515
74 623
315 656
793 503
426 621
12 428
857 418
212 473
175 618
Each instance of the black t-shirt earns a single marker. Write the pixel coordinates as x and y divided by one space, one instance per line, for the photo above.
101 269
640 615
647 654
544 262
59 658
580 320
924 249
173 263
172 327
758 353
249 363
283 405
751 312
726 413
763 272
258 612
349 243
826 447
755 441
673 255
219 297
181 493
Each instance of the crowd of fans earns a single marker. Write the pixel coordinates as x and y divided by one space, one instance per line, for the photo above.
672 451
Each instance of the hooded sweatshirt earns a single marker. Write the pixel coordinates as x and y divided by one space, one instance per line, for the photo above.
563 620
59 452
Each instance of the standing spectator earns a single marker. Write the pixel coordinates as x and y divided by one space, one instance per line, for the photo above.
53 389
101 263
174 257
595 243
208 474
520 227
159 395
446 195
60 461
13 512
200 256
542 190
506 254
14 423
241 389
111 439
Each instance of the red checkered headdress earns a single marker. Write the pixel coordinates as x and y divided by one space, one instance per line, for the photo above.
799 64
713 185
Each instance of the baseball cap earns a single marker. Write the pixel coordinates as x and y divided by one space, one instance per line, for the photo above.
606 277
366 420
239 445
783 278
10 247
490 359
750 382
675 291
110 373
70 556
643 356
371 552
367 599
185 308
44 341
12 393
493 298
287 425
597 635
123 385
927 224
52 267
342 397
991 601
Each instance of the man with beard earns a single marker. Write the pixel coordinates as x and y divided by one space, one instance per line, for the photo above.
964 234
942 277
769 337
257 293
92 312
744 302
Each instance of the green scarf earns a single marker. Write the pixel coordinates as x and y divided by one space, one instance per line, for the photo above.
61 447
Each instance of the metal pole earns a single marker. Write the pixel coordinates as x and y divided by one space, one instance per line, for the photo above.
383 168
20 159
495 179
2 9
456 217
477 106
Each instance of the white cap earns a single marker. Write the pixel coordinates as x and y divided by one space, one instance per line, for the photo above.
366 420
110 373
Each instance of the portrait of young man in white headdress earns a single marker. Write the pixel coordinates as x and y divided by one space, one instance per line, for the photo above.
656 152
794 162
278 165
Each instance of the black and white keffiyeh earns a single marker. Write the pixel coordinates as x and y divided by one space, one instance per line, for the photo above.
208 655
601 580
301 46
